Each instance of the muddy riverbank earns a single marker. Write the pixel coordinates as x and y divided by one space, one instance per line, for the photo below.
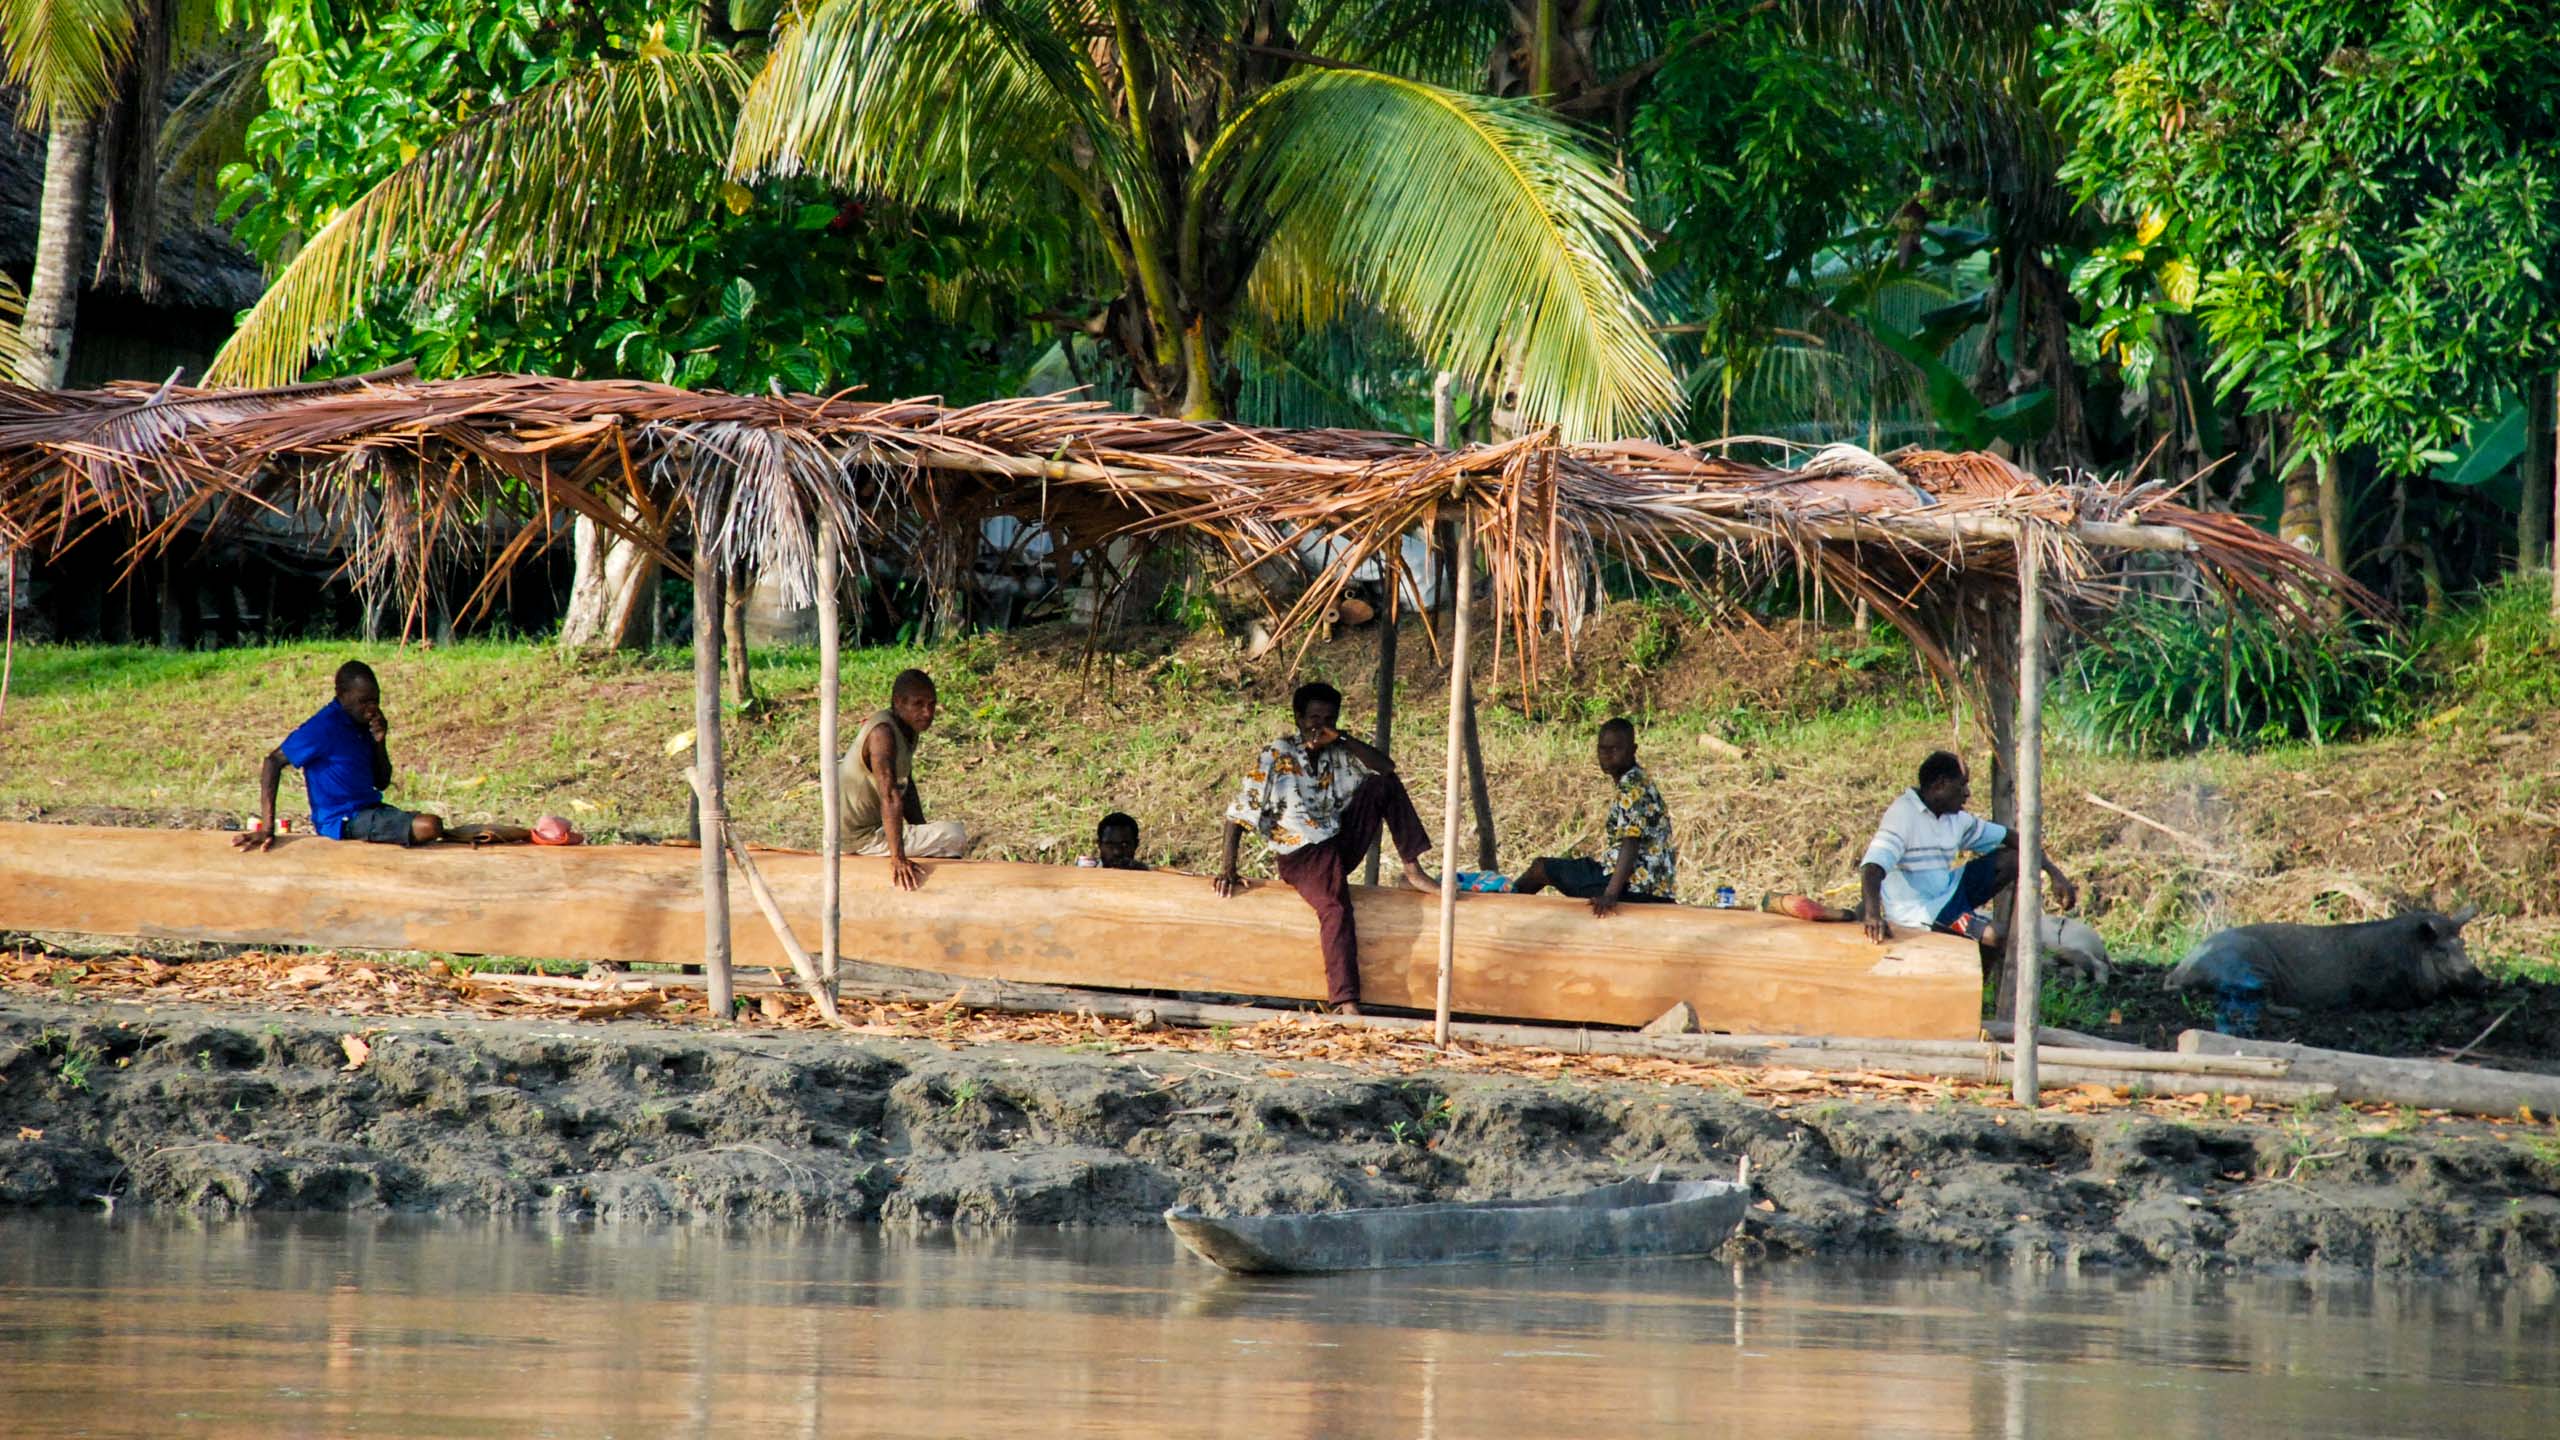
221 1109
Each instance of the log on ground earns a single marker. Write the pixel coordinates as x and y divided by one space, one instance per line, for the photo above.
2375 1080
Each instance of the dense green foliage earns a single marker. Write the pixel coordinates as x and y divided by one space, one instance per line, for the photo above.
2162 678
2358 199
2247 240
787 282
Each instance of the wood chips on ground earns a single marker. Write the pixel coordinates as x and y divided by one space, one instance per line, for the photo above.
373 986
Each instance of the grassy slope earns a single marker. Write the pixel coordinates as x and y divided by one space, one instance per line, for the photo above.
1033 746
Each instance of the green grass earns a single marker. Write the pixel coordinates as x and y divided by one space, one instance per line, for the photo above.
2072 1005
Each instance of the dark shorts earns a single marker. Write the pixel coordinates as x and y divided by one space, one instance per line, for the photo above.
1975 885
381 825
1584 880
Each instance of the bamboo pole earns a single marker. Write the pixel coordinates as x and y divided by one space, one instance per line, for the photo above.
1385 736
2024 926
1463 564
2153 1072
811 982
830 781
712 795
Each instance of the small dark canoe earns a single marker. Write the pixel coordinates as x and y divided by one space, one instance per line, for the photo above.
1633 1219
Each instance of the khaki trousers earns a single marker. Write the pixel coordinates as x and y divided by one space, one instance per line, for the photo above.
933 840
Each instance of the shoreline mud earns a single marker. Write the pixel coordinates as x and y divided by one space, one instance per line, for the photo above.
237 1109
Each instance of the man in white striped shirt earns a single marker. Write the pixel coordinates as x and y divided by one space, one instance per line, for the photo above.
1909 876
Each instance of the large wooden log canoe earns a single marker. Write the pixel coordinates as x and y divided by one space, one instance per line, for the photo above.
1525 957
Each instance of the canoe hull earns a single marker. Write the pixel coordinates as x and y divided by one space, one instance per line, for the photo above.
1631 1220
1526 957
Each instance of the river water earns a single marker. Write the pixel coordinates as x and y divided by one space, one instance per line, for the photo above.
326 1327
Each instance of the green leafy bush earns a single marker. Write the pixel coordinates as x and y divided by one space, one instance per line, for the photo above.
2162 678
2499 656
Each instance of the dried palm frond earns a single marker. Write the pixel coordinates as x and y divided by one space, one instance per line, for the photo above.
412 474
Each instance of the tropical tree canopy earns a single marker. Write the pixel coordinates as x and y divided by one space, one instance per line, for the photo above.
1228 181
2358 199
780 284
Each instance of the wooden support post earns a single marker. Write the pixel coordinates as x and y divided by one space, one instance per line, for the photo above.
1385 736
1463 564
707 618
2024 924
1488 855
1444 423
812 982
830 782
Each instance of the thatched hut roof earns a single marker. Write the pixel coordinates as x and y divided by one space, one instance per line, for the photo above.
198 264
402 463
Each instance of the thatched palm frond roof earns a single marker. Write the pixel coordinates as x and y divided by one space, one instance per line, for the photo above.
400 461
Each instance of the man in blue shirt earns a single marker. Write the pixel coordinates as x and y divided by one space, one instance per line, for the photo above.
344 767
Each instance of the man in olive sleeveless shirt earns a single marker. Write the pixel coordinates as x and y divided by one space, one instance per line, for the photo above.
883 813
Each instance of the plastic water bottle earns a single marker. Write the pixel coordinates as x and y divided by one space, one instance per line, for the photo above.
1724 897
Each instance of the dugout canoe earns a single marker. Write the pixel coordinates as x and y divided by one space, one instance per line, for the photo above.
1523 957
1631 1220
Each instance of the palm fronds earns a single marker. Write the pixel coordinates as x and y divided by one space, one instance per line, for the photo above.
929 101
13 313
64 54
1493 238
411 473
561 176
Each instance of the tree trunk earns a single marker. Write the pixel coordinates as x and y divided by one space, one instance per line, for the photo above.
62 238
2333 514
611 590
2533 519
2299 524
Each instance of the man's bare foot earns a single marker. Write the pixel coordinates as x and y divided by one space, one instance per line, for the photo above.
1347 1007
1415 877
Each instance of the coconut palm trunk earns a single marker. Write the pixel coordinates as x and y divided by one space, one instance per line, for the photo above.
62 235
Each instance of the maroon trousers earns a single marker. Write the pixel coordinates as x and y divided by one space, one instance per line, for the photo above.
1322 873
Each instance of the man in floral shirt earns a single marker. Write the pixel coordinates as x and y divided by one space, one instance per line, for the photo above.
1644 865
1320 798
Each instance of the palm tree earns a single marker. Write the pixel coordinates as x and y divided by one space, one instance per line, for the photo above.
1242 174
92 72
66 57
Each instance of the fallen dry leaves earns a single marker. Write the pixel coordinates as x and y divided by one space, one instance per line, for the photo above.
371 986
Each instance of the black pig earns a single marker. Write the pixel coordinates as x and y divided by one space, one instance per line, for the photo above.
2399 963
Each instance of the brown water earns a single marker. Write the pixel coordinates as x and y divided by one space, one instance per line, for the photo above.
325 1327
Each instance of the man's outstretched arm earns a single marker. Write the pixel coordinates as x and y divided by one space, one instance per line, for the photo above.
1616 890
879 756
1871 902
270 775
1226 881
2063 892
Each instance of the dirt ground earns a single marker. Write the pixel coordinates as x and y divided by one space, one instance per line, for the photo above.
2515 1026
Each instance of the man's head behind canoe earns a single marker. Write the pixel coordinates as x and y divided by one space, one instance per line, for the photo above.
913 699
